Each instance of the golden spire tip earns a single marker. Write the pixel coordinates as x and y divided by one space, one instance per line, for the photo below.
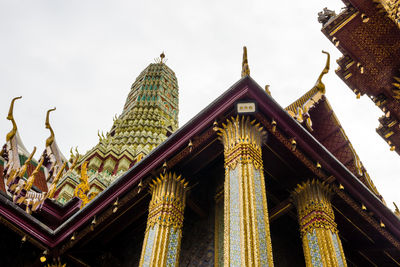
245 64
162 56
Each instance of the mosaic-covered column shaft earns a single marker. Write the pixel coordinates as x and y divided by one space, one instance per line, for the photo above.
161 245
321 242
247 240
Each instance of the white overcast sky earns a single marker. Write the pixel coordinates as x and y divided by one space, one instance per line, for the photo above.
82 57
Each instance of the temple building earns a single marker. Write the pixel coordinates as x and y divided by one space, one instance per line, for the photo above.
245 182
368 35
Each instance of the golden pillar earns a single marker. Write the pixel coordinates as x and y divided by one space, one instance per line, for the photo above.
321 242
247 240
161 245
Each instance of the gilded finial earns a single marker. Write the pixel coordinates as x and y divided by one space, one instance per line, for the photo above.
10 117
190 145
245 64
162 56
49 140
273 124
294 144
115 208
215 126
140 186
267 89
73 165
396 210
71 156
319 84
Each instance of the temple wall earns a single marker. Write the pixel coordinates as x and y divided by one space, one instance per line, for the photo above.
286 243
197 247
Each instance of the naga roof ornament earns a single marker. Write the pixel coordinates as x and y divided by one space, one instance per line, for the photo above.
10 117
315 101
13 148
319 84
53 158
49 140
82 189
299 109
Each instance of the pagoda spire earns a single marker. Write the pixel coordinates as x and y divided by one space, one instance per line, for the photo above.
245 64
149 116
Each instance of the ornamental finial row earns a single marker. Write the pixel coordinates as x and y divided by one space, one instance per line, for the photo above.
13 131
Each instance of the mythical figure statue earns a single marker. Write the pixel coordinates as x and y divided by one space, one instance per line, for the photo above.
325 15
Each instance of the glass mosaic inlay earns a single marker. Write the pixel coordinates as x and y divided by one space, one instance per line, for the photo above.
316 260
149 246
173 247
337 250
260 217
234 217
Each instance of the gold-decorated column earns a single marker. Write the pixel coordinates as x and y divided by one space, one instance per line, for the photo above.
321 242
247 240
161 245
